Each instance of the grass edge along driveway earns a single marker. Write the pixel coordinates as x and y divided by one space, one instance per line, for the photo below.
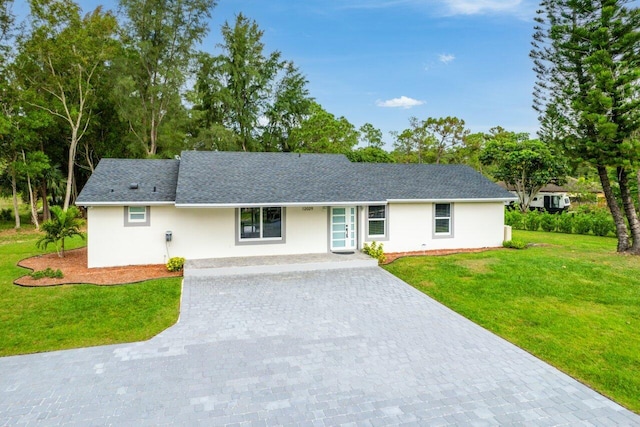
569 300
70 316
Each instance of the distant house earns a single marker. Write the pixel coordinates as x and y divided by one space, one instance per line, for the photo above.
551 198
230 204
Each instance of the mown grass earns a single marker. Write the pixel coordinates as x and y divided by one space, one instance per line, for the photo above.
70 316
570 300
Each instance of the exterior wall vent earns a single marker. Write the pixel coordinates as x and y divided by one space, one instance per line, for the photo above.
133 186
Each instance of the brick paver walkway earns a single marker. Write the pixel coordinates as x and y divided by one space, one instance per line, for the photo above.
341 347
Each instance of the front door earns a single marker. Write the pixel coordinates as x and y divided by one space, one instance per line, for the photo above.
343 228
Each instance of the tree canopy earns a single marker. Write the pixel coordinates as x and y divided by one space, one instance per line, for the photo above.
251 99
158 38
586 59
524 164
322 132
59 64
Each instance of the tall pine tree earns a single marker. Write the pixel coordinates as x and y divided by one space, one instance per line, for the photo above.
588 85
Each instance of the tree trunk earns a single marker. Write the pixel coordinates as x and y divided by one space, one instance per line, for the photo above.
74 190
32 205
14 193
629 210
638 180
32 202
153 137
46 214
72 160
621 228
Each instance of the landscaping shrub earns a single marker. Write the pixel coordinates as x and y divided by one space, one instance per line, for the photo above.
584 220
532 220
514 218
48 272
375 250
584 209
515 244
548 221
602 223
582 223
565 223
6 215
175 264
62 225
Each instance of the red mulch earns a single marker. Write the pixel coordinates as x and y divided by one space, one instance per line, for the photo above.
390 257
74 268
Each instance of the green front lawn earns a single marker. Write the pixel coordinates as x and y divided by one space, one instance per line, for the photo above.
571 301
53 318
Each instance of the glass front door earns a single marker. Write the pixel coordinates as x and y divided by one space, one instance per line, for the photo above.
343 228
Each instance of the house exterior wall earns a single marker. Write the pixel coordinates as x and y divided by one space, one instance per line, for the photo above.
410 227
210 232
196 233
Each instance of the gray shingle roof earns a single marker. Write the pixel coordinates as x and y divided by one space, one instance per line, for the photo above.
246 178
111 180
426 182
281 178
235 178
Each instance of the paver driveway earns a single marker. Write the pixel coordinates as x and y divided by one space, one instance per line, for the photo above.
353 346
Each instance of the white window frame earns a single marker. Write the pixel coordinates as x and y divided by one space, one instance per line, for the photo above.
436 218
384 220
137 222
261 239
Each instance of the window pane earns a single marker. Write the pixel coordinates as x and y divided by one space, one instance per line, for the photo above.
376 228
376 211
137 213
339 244
442 225
443 210
339 219
250 223
272 222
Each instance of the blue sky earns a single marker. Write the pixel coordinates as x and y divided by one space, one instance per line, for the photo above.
384 61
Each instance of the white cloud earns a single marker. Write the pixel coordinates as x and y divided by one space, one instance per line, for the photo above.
476 7
402 102
452 7
445 58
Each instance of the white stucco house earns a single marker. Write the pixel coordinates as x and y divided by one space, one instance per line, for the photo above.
231 204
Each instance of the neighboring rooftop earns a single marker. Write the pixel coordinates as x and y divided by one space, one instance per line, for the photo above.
239 178
549 188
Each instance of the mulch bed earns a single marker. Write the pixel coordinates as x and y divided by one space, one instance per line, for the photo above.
390 257
75 271
74 268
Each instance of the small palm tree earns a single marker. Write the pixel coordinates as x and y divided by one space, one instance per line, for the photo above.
63 224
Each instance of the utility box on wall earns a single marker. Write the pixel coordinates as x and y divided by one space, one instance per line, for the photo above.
507 233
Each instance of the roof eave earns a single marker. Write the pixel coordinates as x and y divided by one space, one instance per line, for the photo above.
283 204
456 200
343 203
126 203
